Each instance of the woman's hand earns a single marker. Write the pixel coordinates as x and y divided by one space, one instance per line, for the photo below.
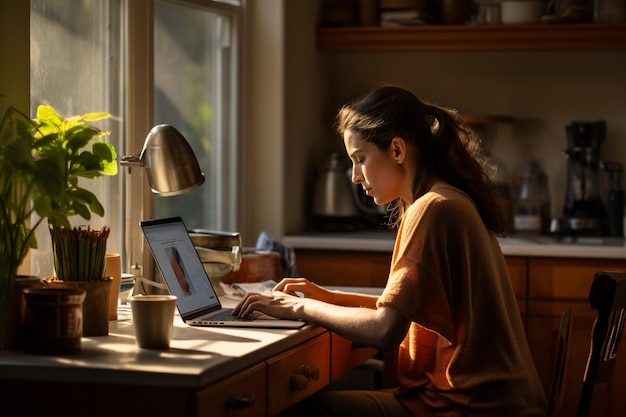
276 304
305 288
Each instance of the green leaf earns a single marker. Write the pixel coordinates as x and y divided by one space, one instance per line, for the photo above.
78 137
49 175
42 159
46 114
95 116
90 199
81 209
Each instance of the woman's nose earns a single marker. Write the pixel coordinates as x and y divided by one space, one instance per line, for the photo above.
356 177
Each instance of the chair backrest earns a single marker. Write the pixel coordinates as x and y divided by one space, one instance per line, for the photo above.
555 401
608 296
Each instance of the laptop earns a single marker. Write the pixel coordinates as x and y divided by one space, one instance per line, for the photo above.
185 276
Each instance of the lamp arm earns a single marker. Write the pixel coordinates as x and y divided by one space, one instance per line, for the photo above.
130 161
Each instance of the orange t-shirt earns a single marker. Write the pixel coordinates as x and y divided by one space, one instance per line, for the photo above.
465 353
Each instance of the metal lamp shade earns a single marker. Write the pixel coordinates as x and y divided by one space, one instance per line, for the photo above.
170 163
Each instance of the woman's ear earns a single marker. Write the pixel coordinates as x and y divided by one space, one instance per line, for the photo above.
398 149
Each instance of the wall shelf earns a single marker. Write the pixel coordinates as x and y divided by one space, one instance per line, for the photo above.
580 36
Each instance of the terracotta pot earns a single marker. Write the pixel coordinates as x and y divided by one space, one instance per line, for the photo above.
95 306
256 266
11 329
53 321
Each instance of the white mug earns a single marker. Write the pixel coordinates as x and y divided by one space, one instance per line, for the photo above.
153 320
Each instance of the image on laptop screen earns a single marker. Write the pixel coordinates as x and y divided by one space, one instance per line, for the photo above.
180 265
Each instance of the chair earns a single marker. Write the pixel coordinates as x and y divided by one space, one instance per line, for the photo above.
555 401
608 296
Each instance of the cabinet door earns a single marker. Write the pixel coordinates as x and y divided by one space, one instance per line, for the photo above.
298 373
518 270
346 356
555 284
344 268
242 395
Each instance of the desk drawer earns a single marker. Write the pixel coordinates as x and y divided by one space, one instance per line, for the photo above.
346 357
242 395
298 373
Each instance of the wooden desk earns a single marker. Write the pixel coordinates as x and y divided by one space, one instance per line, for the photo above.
206 371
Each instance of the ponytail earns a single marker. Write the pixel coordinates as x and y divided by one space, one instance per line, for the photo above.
444 147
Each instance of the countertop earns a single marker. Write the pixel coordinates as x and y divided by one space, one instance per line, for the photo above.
540 246
197 356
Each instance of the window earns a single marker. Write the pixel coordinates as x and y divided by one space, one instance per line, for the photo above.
79 63
77 67
193 71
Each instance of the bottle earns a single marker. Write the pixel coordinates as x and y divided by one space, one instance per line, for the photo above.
531 211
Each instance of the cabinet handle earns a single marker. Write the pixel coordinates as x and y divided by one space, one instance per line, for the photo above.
241 401
302 375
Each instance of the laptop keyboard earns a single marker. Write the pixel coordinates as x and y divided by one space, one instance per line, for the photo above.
226 314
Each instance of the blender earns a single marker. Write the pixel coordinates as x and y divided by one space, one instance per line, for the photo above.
584 213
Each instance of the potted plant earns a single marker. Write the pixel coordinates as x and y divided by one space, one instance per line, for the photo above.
79 252
41 166
19 175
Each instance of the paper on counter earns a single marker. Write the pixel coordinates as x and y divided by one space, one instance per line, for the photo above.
237 290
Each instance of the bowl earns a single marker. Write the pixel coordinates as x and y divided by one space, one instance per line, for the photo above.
519 12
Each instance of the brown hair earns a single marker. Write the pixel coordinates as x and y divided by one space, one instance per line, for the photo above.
444 147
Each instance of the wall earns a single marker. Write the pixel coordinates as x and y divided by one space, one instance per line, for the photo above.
264 125
288 100
15 67
542 90
15 47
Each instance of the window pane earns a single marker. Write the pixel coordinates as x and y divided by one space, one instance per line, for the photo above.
192 92
76 67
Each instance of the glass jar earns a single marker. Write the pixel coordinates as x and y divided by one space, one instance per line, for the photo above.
531 211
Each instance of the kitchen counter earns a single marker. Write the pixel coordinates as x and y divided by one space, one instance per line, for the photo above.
540 246
215 371
198 356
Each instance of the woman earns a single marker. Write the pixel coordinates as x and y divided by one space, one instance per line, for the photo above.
448 303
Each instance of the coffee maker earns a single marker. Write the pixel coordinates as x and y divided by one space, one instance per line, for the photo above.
584 213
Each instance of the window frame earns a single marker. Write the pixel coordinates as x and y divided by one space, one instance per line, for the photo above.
140 202
137 110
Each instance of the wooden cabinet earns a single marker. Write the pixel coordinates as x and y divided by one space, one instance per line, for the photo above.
544 287
298 373
271 386
344 268
242 395
346 356
553 285
518 271
371 269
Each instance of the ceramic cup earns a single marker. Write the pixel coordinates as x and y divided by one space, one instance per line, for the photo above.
153 320
53 321
113 269
524 11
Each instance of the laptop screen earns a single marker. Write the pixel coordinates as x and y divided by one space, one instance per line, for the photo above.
180 266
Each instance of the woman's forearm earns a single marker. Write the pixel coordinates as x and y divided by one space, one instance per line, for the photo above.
350 299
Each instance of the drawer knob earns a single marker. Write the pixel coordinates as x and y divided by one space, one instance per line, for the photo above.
302 375
241 401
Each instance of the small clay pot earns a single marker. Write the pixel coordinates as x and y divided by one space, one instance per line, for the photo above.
53 321
95 306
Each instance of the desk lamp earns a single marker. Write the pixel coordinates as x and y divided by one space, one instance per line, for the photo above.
170 163
171 168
